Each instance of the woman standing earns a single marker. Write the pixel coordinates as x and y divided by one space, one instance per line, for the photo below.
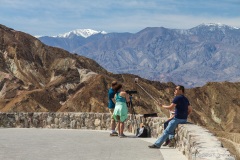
120 113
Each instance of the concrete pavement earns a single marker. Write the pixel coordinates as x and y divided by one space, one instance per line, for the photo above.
69 144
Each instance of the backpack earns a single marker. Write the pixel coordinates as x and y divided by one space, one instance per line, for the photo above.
142 132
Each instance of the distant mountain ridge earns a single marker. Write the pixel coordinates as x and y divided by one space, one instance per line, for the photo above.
191 57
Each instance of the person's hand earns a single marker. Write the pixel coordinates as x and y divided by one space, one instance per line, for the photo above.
158 103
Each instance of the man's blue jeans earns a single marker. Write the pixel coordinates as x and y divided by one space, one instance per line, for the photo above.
169 131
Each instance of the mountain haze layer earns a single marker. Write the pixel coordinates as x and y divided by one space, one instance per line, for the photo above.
191 57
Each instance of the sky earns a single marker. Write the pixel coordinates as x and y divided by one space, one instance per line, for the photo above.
54 17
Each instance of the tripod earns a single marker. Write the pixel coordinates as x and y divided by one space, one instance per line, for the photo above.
130 105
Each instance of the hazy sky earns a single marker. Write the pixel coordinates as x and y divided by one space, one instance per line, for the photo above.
53 17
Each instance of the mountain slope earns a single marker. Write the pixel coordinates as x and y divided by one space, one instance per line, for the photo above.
217 108
37 77
202 54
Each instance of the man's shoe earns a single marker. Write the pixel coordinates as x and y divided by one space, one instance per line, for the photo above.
122 136
114 134
172 143
166 142
154 146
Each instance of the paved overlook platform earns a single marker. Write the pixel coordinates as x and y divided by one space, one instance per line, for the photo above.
77 144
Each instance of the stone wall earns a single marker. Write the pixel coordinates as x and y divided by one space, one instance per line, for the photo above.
193 141
198 143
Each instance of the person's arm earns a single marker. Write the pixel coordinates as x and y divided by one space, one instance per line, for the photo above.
189 109
124 94
171 117
127 97
114 97
113 100
111 96
170 107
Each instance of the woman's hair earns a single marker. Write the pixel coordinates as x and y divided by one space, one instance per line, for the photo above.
117 87
114 83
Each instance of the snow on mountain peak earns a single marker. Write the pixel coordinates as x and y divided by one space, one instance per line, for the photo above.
218 25
81 32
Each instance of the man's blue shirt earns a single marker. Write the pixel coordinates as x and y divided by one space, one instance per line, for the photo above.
181 109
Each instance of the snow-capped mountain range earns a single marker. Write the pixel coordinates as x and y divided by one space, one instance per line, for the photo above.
192 57
80 32
89 32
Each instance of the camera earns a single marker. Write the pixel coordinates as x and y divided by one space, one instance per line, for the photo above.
131 92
